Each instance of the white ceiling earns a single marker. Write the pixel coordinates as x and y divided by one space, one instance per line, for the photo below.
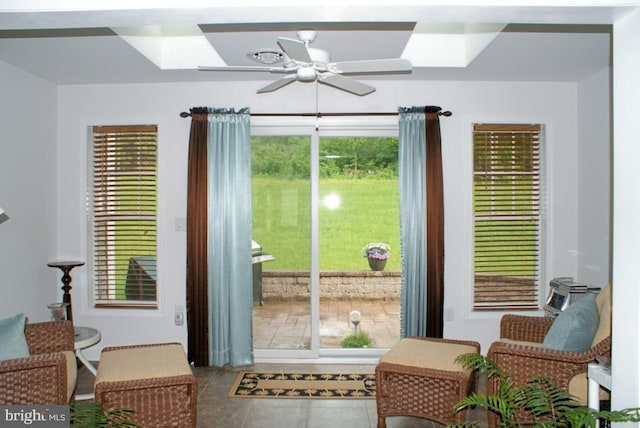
80 48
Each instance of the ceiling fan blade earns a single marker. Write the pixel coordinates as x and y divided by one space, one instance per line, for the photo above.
245 68
392 65
278 84
295 49
346 84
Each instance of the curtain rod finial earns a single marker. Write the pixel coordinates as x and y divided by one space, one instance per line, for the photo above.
446 113
184 114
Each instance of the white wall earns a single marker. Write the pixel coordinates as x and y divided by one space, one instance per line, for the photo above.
552 104
594 172
626 206
28 193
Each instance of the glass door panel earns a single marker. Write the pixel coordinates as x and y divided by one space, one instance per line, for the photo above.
359 205
281 197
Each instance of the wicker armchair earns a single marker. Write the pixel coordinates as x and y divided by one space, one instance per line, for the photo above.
521 361
41 378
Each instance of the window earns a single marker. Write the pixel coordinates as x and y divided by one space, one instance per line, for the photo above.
123 210
506 204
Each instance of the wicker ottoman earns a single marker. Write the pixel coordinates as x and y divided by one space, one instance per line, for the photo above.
154 380
419 377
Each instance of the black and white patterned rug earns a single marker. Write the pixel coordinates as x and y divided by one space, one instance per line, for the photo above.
304 385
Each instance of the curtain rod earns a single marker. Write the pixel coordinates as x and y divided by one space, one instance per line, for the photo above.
440 113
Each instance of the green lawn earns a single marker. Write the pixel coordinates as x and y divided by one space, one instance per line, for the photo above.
368 212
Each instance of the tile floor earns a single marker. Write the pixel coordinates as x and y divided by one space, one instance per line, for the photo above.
217 410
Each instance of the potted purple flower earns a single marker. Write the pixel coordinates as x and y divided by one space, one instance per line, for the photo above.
377 254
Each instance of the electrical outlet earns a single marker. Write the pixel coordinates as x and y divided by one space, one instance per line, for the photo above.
448 314
181 224
178 318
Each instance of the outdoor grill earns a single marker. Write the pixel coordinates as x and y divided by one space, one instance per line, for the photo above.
257 258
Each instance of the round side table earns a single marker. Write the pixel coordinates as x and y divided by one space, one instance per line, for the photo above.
85 337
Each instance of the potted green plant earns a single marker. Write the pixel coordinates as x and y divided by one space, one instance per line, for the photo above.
89 414
377 254
551 405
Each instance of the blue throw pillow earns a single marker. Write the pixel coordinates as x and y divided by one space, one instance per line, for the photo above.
575 327
13 343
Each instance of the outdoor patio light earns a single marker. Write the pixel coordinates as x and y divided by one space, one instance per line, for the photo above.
354 316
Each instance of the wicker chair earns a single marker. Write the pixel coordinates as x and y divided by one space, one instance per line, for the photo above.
520 356
48 375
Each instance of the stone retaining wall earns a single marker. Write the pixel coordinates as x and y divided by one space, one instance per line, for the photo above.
294 285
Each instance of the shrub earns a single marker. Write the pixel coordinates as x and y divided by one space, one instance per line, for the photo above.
357 340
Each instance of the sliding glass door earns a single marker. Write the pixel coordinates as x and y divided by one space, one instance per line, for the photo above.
358 208
319 198
281 200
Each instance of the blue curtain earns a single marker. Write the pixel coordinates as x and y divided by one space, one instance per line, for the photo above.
230 286
413 206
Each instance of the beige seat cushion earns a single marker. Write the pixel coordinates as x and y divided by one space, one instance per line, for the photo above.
145 362
72 373
603 301
578 387
427 354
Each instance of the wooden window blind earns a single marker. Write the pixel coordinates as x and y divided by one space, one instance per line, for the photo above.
507 218
124 208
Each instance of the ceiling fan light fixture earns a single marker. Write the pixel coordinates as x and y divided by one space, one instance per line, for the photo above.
266 56
306 74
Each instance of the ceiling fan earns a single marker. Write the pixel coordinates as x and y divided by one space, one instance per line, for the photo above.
304 64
